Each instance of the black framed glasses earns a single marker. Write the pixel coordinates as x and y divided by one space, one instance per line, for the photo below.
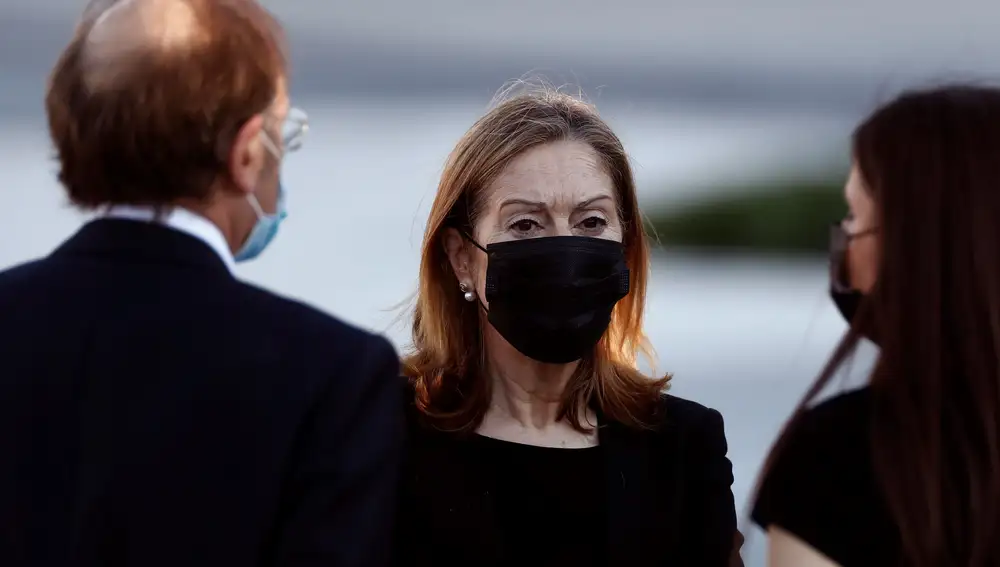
840 240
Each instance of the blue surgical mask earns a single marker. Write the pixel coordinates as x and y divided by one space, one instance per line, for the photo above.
265 229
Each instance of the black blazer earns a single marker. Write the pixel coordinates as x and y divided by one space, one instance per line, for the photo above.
155 411
668 494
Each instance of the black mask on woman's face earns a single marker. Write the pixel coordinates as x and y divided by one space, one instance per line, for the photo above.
551 298
845 297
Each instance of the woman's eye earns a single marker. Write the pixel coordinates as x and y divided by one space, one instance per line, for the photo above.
524 225
593 223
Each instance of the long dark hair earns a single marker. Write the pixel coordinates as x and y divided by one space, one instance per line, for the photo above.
931 161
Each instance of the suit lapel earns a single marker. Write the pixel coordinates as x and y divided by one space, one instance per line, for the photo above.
642 502
626 460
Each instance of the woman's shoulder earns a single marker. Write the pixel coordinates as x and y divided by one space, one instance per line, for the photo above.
833 431
848 407
837 427
675 422
680 410
680 417
684 430
819 485
836 416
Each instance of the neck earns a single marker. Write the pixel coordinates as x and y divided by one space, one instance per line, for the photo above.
524 390
220 211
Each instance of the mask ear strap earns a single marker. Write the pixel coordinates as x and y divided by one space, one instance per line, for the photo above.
468 237
482 305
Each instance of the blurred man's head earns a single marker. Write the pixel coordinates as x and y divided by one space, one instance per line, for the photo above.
168 103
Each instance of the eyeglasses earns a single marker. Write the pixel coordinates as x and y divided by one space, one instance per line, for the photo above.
840 239
294 129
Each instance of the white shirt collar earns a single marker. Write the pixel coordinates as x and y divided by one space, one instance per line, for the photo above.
183 220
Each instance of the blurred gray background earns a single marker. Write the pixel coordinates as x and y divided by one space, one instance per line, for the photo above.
714 99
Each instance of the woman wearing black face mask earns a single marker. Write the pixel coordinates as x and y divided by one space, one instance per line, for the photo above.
534 440
906 471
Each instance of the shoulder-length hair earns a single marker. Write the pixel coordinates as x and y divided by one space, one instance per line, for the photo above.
447 359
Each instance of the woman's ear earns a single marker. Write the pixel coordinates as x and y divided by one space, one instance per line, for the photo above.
457 250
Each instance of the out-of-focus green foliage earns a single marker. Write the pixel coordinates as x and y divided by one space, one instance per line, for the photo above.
778 218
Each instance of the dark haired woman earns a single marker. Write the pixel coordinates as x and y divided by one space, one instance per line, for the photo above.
906 471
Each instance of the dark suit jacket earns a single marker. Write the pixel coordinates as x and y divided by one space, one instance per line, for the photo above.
668 495
155 411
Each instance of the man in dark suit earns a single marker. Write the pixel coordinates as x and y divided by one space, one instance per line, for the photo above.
154 410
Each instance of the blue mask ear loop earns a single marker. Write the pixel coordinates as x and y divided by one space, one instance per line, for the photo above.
468 237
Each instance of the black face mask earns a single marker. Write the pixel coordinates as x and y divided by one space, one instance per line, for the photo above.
846 298
551 298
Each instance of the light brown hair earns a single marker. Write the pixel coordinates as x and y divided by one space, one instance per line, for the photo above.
446 365
163 128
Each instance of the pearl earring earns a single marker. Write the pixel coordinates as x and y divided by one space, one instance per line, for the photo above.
469 294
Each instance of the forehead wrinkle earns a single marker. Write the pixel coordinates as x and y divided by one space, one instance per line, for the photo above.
569 190
570 199
560 174
549 170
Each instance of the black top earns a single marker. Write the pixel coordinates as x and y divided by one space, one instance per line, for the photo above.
155 411
536 489
822 488
639 499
